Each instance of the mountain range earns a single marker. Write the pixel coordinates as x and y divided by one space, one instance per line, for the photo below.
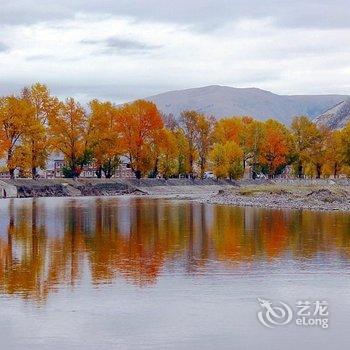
223 101
336 117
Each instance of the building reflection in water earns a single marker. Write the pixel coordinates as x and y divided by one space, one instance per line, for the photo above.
47 243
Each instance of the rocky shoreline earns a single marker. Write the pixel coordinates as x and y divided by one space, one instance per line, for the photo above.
319 200
320 195
330 195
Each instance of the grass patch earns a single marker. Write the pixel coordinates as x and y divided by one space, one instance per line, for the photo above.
294 189
271 189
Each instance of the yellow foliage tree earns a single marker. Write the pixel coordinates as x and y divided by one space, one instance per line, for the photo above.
104 139
219 160
168 154
188 122
345 141
69 135
334 157
233 154
227 160
250 141
35 144
316 154
204 140
304 133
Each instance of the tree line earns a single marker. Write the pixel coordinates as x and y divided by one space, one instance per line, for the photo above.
34 123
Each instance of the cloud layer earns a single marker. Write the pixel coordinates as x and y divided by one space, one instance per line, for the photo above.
204 13
122 50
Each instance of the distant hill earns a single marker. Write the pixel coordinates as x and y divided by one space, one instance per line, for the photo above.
336 117
222 101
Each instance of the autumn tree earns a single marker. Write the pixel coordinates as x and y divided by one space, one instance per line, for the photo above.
227 160
334 156
345 141
250 141
170 122
103 139
168 154
16 116
183 150
69 135
219 160
35 144
275 146
233 154
139 124
315 155
188 123
228 129
199 132
204 140
304 132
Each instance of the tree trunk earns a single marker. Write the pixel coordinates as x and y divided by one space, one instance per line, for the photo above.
9 158
335 173
300 170
191 166
99 172
318 171
138 174
34 172
155 169
33 160
203 162
12 173
108 170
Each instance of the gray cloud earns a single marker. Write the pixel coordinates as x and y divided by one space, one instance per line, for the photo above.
201 14
118 45
274 57
40 57
3 47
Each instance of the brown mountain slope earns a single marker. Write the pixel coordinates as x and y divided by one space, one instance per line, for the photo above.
222 101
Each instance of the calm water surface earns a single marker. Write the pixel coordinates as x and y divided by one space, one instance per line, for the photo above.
128 273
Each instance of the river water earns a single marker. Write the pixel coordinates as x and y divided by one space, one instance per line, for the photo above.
135 273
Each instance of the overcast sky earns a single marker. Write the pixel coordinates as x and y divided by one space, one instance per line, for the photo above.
125 49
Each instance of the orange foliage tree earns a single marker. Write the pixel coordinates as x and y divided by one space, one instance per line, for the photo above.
229 129
275 146
139 124
16 117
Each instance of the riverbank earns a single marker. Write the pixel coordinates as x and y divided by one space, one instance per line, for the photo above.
324 195
286 194
319 195
25 188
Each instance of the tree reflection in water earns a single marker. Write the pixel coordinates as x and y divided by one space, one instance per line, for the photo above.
47 243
